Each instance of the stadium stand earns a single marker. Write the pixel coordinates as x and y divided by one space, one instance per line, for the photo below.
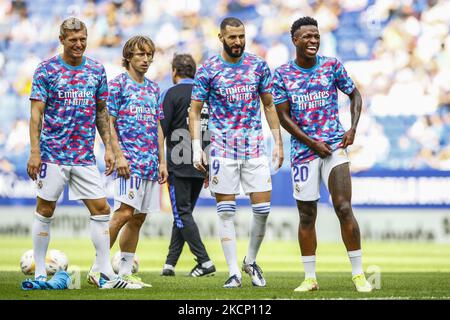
398 53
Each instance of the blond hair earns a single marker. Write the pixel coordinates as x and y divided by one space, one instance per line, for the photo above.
71 24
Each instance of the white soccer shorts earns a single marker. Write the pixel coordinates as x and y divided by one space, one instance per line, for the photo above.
306 177
84 182
142 195
226 174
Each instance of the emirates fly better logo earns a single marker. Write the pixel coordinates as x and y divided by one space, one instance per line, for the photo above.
311 100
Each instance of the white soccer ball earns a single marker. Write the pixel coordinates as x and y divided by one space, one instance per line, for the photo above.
27 262
116 263
55 260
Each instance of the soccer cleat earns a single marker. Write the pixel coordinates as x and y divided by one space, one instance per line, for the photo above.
255 273
233 282
116 283
136 280
309 284
361 284
199 271
168 273
93 278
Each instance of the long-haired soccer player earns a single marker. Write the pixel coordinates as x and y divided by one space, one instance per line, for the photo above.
305 93
138 145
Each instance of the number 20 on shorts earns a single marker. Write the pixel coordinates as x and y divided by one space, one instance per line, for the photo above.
300 173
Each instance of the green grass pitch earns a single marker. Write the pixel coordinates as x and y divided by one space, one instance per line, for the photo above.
406 271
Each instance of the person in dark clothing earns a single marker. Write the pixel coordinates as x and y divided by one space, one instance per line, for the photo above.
185 182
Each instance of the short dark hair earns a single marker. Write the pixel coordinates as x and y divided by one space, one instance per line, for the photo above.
304 21
184 64
230 21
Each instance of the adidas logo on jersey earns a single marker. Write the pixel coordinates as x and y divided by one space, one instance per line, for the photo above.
324 81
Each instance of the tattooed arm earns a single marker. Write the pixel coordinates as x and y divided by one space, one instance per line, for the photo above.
104 129
34 162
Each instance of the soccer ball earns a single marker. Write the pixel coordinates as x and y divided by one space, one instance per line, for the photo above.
54 261
116 263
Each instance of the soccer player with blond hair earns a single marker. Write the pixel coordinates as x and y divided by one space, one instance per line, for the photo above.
68 102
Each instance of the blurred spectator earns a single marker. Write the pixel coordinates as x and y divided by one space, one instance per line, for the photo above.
109 28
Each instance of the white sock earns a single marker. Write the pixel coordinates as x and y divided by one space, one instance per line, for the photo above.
100 238
169 266
309 263
41 238
95 267
126 263
207 264
356 261
257 230
226 211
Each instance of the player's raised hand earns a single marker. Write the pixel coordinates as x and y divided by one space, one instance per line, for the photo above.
349 138
34 165
163 174
321 148
109 162
122 166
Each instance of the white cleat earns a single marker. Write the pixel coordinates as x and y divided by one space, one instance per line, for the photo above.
309 284
255 273
137 280
361 284
233 282
93 278
117 283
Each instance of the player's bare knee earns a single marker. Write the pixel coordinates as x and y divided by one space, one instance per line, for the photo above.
136 221
343 210
102 209
139 219
260 197
125 212
98 206
45 208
